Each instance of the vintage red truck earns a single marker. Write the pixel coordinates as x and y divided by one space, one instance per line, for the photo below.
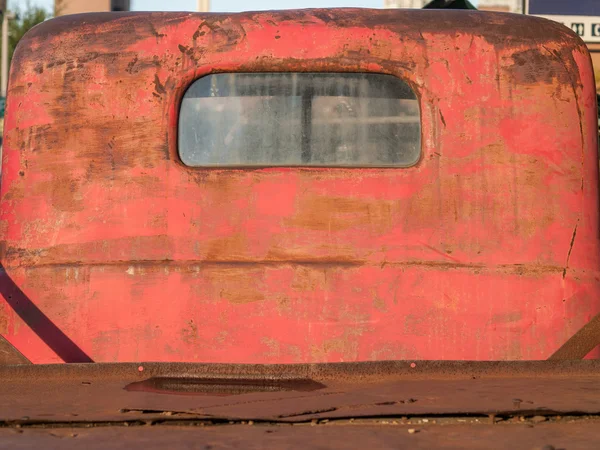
313 211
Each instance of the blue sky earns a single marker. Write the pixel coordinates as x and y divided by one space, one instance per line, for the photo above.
225 5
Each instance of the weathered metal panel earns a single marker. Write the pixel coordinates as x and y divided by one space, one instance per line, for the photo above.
541 405
581 343
382 434
115 251
89 393
9 354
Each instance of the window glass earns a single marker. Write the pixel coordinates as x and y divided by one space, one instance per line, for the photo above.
300 119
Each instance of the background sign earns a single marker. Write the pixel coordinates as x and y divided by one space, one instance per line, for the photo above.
582 16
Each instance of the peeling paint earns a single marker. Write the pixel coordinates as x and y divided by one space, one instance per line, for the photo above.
468 255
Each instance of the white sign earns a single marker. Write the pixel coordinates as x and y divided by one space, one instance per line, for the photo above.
587 27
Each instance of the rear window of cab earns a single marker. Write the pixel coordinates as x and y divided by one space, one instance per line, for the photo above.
299 119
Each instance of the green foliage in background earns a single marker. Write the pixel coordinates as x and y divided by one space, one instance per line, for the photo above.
26 18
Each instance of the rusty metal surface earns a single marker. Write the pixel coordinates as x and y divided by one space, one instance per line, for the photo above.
9 354
90 393
112 250
562 435
546 405
581 343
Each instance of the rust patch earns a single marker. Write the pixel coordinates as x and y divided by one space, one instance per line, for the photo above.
66 195
3 320
227 248
309 279
189 334
347 344
158 86
127 250
225 33
581 343
533 66
9 354
341 213
238 284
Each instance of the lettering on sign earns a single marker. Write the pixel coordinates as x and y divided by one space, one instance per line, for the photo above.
587 27
578 28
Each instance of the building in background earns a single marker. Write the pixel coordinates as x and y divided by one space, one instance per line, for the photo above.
203 5
582 16
404 3
64 7
487 5
513 6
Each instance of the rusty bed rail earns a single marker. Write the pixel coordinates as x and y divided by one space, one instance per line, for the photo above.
534 402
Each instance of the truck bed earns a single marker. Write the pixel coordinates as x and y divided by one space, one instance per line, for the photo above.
396 404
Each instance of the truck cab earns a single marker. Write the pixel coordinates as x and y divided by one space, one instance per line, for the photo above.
217 229
310 186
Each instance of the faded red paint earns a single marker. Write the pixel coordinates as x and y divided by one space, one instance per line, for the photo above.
487 249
